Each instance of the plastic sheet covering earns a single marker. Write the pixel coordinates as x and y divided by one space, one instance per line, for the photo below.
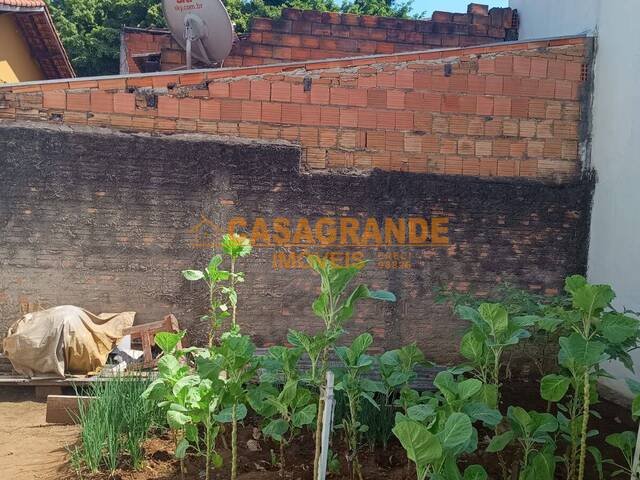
64 339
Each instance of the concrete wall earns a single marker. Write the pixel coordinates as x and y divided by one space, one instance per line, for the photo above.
552 18
614 252
102 220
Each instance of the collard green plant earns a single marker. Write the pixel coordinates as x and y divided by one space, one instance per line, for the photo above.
282 400
239 365
493 331
223 297
625 442
397 371
173 391
335 306
212 395
439 428
532 431
598 333
357 389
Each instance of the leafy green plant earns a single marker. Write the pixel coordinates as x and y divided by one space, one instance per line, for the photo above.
397 371
212 395
238 364
223 297
356 389
532 432
628 442
335 306
397 368
287 409
598 333
625 442
175 391
541 346
438 428
493 331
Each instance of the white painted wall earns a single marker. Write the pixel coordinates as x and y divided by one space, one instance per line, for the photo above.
614 250
556 18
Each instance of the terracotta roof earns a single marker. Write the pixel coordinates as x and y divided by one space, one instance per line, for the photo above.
23 3
40 33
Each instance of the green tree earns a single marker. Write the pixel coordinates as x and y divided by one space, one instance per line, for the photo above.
90 29
383 8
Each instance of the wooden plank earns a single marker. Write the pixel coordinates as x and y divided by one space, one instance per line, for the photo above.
65 408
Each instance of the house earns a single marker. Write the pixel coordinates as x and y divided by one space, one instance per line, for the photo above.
30 48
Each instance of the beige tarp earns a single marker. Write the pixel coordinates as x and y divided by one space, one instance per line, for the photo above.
63 339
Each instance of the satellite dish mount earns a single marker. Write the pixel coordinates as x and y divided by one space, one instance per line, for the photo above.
202 27
194 31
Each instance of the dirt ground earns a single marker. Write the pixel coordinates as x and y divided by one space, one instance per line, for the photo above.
30 448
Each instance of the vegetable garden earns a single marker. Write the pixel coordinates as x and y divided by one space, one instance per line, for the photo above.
229 413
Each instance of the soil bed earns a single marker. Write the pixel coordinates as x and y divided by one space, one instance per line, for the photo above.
31 449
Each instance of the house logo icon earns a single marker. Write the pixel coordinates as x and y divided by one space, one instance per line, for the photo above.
205 234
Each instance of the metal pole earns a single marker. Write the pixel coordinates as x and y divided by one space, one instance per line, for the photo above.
188 35
327 422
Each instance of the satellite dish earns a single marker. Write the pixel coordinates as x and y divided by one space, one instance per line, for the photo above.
202 27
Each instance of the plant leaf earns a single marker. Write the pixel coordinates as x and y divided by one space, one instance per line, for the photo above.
167 341
193 275
457 431
475 472
181 449
421 445
499 442
276 428
554 387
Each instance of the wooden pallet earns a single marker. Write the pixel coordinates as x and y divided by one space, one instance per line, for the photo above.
146 333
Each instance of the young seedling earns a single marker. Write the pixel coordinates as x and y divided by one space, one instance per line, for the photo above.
239 364
438 429
287 409
357 389
222 284
532 432
335 306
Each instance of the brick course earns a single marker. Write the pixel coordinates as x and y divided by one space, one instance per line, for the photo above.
304 35
469 103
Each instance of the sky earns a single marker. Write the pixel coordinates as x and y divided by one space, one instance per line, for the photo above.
456 6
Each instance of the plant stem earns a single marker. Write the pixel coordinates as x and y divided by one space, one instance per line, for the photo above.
318 439
208 456
282 458
212 312
234 443
353 440
585 425
233 288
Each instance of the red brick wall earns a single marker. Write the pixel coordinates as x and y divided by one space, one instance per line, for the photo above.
312 35
501 110
141 42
